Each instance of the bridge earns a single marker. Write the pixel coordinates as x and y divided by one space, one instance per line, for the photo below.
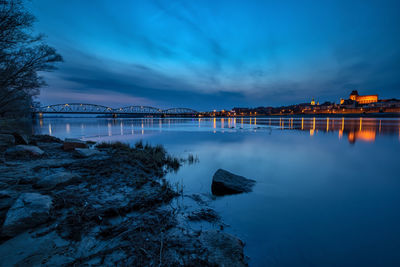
79 108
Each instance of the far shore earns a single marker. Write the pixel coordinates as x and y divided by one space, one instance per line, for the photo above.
296 115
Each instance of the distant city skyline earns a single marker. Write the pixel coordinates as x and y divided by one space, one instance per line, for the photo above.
219 54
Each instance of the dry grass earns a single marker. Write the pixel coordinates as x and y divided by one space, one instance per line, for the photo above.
151 156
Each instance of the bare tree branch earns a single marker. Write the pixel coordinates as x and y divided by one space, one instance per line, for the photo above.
22 56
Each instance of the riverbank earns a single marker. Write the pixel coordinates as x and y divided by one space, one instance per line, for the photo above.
312 115
72 203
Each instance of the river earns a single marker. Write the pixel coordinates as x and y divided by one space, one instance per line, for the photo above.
327 191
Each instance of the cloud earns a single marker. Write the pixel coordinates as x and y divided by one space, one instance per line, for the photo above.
101 97
215 53
182 12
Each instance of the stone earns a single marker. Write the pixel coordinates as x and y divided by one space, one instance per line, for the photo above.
21 139
224 249
7 198
45 139
6 140
226 183
28 211
24 151
28 250
71 144
206 214
86 152
55 179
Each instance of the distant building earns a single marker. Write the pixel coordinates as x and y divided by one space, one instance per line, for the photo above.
387 103
312 102
348 103
363 99
241 110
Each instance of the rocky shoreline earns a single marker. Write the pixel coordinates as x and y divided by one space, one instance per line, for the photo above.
75 203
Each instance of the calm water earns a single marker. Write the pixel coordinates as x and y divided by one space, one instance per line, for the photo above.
327 192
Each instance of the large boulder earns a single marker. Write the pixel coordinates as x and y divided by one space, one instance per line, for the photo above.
223 249
226 183
28 211
55 179
23 151
71 144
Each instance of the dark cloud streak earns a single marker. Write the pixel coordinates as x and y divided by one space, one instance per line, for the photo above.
220 54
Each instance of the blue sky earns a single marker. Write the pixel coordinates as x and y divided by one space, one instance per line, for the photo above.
219 54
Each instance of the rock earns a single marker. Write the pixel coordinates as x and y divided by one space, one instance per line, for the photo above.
226 183
28 211
21 139
224 249
6 199
206 214
55 179
45 139
23 151
71 144
28 250
6 140
86 152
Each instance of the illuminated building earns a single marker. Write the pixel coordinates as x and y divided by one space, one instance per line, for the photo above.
363 99
312 102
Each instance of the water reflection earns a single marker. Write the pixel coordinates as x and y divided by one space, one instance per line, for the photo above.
353 129
362 129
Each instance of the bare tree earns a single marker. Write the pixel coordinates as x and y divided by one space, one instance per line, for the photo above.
22 56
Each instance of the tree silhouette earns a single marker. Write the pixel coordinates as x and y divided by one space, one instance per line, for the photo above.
22 56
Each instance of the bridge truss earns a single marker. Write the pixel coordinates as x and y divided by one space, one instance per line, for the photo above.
179 111
80 108
75 108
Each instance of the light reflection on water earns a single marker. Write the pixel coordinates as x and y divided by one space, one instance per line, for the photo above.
363 129
327 191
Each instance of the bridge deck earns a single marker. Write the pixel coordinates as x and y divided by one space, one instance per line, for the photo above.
79 108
